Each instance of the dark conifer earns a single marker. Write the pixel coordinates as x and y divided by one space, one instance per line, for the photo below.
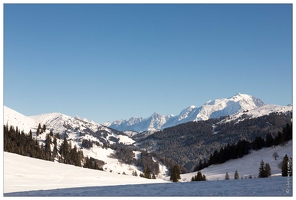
267 170
199 177
261 170
175 173
43 128
55 148
236 176
38 130
226 176
47 147
285 166
147 173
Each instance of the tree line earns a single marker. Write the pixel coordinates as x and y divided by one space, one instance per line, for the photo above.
243 147
16 141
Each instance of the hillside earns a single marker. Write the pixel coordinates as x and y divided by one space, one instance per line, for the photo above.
193 141
23 173
27 174
103 145
247 165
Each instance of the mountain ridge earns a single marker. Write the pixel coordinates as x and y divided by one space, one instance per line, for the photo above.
210 109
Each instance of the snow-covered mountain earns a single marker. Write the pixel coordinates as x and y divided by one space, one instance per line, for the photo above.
257 112
211 109
14 118
76 130
75 127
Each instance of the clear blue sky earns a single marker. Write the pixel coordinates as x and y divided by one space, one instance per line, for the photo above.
110 62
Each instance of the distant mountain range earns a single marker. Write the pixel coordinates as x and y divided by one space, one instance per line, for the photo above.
104 137
211 109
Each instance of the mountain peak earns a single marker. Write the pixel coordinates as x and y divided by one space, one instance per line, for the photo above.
156 114
241 96
211 109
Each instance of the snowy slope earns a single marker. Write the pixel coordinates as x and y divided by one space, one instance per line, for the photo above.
74 127
77 130
247 165
28 174
258 112
211 109
24 173
14 118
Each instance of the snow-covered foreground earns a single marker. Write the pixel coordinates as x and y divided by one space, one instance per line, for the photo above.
275 186
24 176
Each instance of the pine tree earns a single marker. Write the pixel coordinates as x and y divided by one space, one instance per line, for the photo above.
236 176
275 155
267 170
285 166
135 173
43 128
261 170
47 147
226 176
38 129
65 150
55 149
30 133
51 133
175 173
204 178
290 163
199 177
147 173
264 170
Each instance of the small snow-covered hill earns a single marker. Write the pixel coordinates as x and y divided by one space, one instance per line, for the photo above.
247 165
211 109
75 127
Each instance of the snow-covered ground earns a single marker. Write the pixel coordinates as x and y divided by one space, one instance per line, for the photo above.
247 165
24 176
247 187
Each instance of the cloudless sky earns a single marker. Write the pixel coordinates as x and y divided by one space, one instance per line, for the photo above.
107 62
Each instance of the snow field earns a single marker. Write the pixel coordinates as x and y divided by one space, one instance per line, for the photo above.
247 165
36 177
26 174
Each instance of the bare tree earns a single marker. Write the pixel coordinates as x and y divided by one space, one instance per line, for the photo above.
275 155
